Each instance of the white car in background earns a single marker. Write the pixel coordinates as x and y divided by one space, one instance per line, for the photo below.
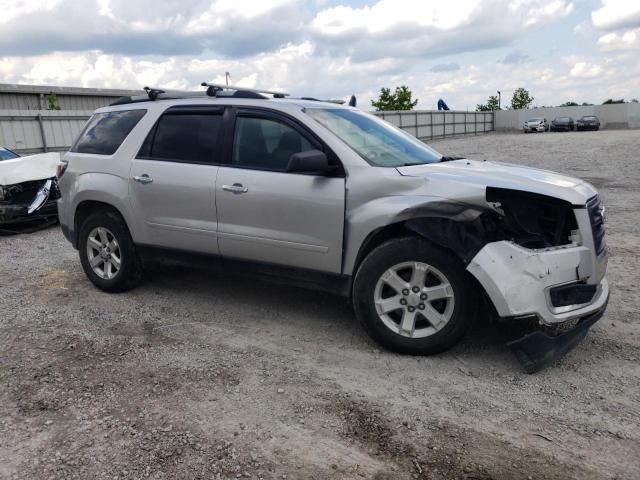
537 124
28 187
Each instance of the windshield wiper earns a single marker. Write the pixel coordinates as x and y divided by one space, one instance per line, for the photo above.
449 159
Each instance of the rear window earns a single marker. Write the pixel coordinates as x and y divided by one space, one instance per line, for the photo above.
106 131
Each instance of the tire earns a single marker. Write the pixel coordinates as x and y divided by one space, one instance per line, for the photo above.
109 226
458 312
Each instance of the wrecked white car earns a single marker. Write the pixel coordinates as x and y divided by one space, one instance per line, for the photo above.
28 187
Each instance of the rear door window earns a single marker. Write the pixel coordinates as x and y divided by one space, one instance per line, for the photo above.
105 132
189 136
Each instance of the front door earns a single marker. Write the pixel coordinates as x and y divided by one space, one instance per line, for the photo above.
269 215
173 178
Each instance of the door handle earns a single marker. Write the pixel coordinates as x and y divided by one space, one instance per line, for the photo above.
235 188
144 178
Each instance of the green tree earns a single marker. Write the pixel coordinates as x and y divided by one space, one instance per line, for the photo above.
569 104
492 104
521 99
52 101
612 101
400 100
585 104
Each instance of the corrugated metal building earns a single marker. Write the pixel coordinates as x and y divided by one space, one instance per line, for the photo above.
34 97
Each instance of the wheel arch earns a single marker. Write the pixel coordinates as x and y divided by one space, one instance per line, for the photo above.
86 208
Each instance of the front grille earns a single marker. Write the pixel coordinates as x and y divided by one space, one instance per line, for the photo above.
597 224
24 193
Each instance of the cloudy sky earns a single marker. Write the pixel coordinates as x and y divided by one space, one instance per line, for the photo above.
458 50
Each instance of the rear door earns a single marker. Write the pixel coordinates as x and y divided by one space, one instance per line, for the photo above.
269 215
173 177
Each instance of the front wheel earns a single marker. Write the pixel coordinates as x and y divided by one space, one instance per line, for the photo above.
414 297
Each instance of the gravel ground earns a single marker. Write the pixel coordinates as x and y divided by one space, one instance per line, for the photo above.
211 375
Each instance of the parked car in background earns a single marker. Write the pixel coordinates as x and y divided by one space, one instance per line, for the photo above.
28 187
588 122
562 124
6 154
537 124
335 198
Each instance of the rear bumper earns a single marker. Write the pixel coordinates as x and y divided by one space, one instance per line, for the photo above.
520 281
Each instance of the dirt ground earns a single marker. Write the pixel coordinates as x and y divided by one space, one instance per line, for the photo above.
211 375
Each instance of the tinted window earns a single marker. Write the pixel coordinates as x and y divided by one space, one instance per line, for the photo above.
106 131
266 144
186 137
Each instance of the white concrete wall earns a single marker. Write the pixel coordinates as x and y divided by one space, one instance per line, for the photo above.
622 115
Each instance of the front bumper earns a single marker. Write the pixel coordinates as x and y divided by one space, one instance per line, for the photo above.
12 214
538 350
519 281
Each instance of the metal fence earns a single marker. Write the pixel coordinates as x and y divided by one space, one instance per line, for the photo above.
430 124
29 131
35 131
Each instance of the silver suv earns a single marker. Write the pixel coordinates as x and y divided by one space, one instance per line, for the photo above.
335 198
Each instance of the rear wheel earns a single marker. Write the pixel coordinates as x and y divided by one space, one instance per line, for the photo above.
107 252
413 297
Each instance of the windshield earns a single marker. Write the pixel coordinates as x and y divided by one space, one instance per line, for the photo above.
6 154
535 120
378 142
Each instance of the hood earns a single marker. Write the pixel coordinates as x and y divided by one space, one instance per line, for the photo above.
534 122
505 175
32 167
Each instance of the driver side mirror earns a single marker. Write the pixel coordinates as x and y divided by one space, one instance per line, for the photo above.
311 161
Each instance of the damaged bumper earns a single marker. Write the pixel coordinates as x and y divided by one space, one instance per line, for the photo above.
562 286
523 283
539 350
29 201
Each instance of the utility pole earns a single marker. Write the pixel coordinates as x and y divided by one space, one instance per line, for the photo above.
227 76
499 99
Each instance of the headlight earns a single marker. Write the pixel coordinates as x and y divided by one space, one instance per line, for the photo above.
532 220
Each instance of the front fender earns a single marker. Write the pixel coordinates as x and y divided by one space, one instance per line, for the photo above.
411 210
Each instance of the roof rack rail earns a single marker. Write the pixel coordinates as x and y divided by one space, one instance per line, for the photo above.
339 102
213 89
154 93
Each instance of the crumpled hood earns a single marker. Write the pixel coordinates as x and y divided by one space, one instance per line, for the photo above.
505 175
32 167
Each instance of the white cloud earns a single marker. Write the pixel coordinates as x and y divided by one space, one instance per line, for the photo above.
626 41
544 13
12 9
617 14
386 14
585 70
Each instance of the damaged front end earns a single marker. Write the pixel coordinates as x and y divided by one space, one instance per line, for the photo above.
31 201
536 256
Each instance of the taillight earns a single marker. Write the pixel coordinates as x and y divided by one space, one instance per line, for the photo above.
61 168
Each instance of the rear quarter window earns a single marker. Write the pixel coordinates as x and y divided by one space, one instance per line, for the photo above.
106 131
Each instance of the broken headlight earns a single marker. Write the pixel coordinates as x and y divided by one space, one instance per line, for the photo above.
533 220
